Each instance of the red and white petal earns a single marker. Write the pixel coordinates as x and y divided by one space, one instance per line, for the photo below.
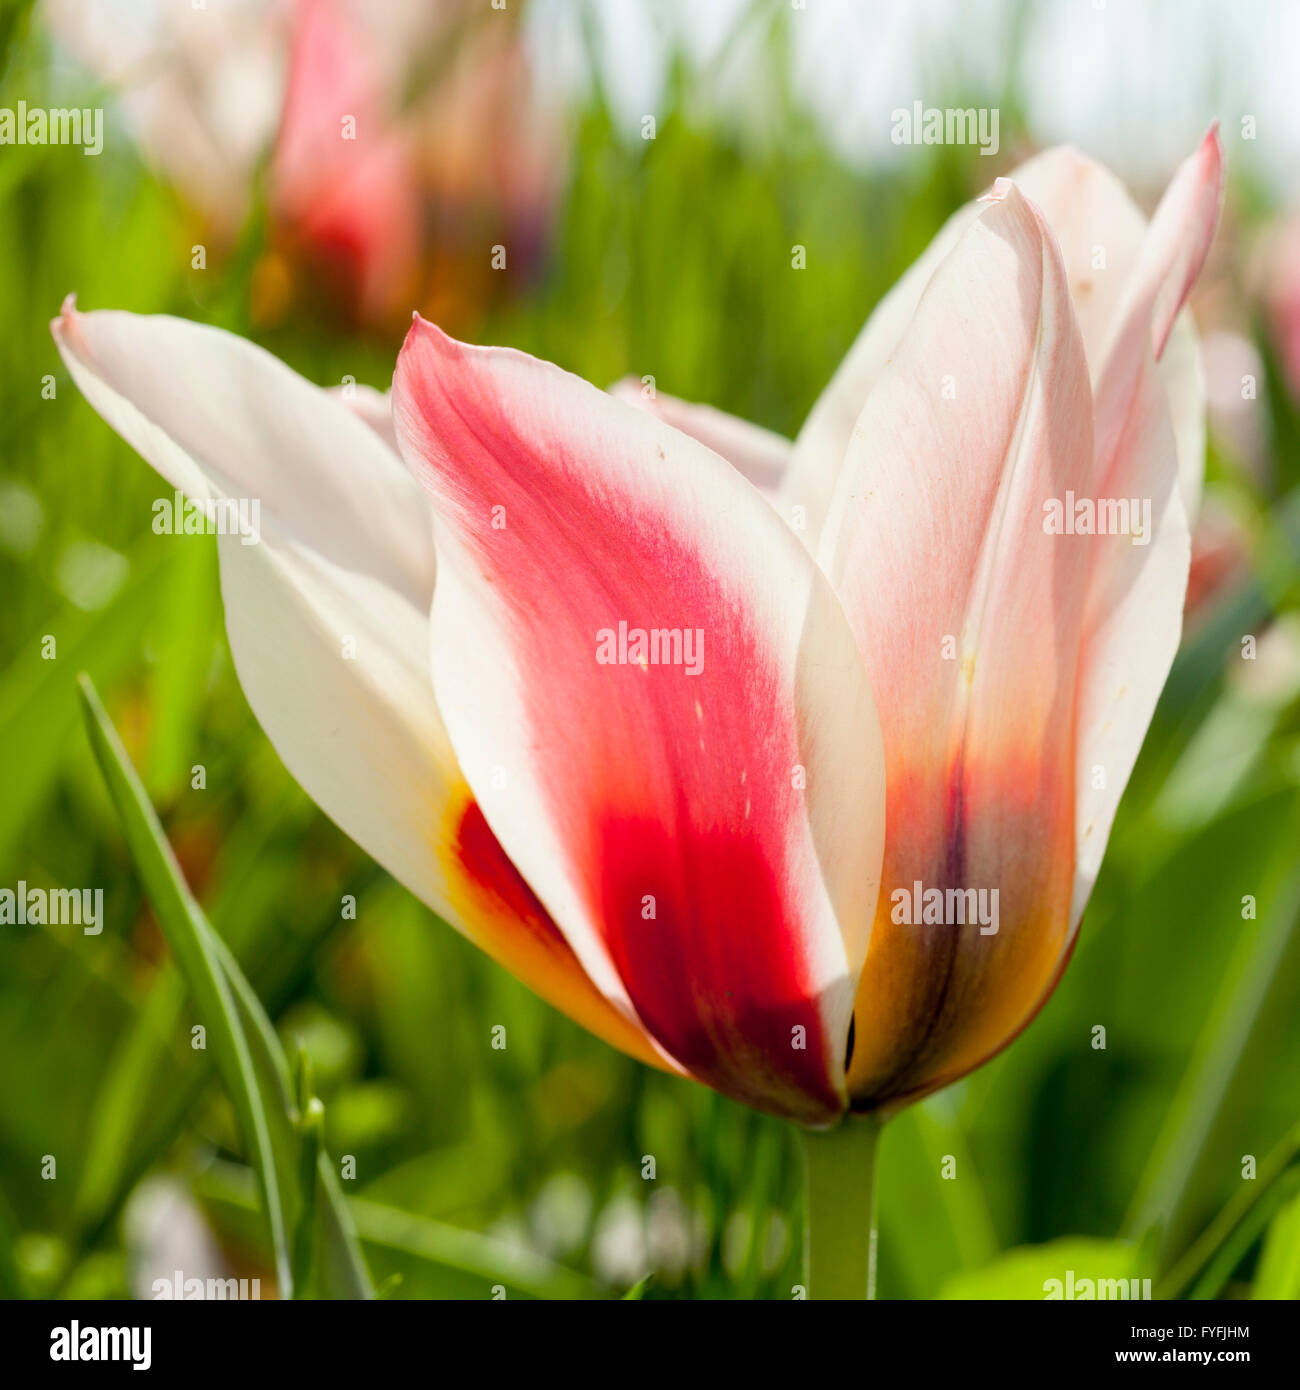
327 615
707 830
968 610
1136 591
761 455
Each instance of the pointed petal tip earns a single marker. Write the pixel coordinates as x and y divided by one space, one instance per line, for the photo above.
1206 161
1212 146
419 324
422 336
425 331
1001 190
66 316
1210 150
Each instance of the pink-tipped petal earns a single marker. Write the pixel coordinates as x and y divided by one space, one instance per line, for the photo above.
700 813
1176 244
1102 236
1100 231
968 609
1136 590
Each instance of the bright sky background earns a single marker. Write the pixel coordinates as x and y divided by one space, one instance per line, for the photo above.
1134 82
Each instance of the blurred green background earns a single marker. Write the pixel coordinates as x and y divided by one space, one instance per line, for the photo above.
524 1167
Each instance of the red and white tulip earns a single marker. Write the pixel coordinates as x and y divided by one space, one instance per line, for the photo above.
916 682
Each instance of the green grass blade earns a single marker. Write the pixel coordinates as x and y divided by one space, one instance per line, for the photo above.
1210 1075
1279 1264
1213 1283
436 1259
324 1212
129 1085
344 1263
191 943
1236 1226
304 1236
480 1256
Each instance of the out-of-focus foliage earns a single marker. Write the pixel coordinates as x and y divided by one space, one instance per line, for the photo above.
524 1166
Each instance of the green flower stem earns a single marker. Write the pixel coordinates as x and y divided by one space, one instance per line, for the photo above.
840 1221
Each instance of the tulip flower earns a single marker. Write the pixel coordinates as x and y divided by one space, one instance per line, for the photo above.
395 155
393 196
343 175
796 789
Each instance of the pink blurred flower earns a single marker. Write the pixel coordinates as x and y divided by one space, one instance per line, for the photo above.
1220 555
343 176
400 144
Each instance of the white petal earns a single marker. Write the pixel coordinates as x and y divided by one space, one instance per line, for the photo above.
761 455
344 556
328 617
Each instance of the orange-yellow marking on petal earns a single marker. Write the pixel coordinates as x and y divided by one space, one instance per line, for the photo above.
935 1001
506 920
